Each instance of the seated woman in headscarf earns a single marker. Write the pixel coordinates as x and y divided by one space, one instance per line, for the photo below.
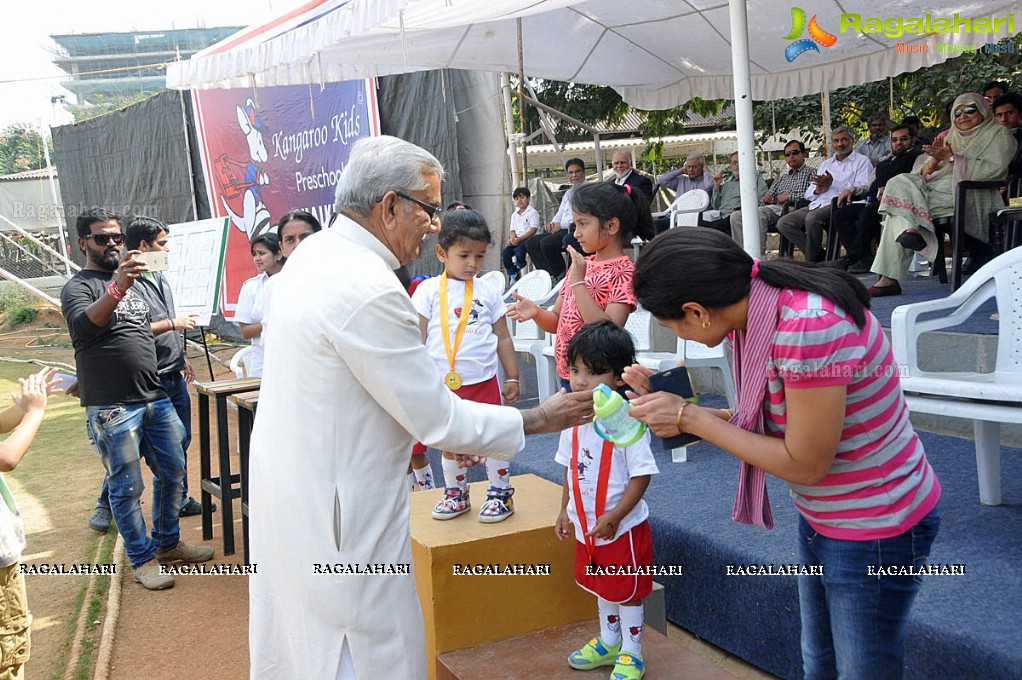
977 147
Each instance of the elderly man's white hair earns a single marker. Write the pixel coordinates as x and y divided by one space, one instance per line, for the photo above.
381 164
696 157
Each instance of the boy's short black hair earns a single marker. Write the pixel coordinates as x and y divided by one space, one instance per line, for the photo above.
521 191
602 346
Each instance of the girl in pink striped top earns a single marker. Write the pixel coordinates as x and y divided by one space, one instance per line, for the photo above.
820 406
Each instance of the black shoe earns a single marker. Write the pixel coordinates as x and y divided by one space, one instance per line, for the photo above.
911 240
840 263
972 265
191 507
862 266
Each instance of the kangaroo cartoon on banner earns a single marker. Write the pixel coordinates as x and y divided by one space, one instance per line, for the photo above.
278 149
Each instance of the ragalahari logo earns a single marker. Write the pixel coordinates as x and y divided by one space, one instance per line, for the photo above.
803 45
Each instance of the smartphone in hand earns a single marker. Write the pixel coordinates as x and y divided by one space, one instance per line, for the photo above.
155 260
676 381
64 382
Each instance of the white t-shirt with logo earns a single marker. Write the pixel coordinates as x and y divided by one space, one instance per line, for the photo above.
476 360
633 461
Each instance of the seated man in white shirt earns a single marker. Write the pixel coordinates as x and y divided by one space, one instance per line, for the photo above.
845 169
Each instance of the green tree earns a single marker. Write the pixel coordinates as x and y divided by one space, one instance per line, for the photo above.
598 105
106 105
21 149
924 93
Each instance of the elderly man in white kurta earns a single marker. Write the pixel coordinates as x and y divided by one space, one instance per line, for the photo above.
347 388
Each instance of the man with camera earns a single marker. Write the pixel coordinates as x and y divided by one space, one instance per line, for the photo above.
149 235
128 414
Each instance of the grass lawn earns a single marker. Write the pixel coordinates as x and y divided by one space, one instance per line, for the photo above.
56 486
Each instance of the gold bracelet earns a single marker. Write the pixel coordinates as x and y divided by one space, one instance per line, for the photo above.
681 409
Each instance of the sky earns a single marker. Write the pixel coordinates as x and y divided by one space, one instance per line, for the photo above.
28 77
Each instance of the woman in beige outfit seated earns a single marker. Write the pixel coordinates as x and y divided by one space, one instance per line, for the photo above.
978 148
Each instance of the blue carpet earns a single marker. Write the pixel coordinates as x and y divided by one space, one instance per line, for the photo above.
961 626
919 289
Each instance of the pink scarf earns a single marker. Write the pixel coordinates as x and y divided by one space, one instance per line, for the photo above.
751 355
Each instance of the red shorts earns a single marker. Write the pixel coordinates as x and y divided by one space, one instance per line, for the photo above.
625 554
485 392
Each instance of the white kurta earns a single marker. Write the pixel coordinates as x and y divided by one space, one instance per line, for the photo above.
347 388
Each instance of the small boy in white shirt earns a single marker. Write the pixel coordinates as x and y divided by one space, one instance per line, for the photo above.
524 223
602 498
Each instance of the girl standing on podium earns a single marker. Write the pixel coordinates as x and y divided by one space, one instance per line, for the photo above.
465 331
603 489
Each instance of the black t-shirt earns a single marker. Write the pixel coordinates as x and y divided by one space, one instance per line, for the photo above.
116 362
170 355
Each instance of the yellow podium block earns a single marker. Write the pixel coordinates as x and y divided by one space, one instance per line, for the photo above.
479 583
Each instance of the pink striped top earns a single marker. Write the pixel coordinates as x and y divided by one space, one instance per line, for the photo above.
880 484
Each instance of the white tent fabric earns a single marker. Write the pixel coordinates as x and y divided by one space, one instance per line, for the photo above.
656 53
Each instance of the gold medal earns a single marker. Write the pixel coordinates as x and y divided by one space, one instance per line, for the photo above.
453 379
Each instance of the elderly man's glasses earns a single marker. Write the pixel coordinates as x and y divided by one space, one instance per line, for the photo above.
970 109
793 152
433 211
104 240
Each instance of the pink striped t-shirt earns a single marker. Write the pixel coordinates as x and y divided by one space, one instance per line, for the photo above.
609 282
880 484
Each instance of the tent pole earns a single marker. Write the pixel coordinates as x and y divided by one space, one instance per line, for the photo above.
521 100
56 202
746 131
509 122
825 107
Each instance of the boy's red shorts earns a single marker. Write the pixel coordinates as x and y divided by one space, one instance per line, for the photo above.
485 392
627 553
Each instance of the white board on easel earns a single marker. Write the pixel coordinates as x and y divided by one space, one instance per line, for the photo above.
197 266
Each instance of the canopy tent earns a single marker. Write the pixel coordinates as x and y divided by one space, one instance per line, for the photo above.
656 53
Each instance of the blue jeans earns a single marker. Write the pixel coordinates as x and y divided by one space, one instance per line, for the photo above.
853 624
124 434
177 390
518 263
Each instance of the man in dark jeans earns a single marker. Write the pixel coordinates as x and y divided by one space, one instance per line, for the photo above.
150 235
858 223
546 248
128 415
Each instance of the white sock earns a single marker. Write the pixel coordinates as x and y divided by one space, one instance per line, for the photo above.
410 479
610 622
424 477
631 630
454 476
498 472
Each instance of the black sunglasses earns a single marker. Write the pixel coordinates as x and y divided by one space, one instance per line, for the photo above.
433 211
105 239
793 152
970 109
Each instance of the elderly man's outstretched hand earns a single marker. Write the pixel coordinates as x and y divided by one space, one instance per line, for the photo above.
559 412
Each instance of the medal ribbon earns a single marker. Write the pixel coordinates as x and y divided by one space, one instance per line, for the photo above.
601 488
445 325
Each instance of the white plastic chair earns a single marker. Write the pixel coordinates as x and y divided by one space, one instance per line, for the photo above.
238 362
686 208
684 212
694 354
989 399
495 279
535 286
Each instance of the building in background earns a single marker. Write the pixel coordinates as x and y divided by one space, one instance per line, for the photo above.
105 66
